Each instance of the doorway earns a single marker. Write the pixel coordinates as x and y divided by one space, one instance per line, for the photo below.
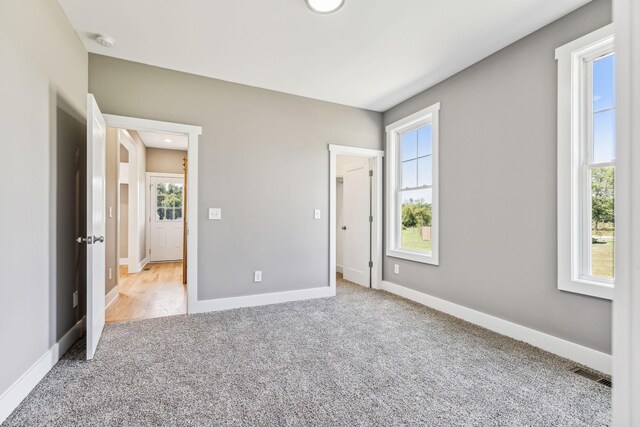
354 214
355 187
101 206
150 237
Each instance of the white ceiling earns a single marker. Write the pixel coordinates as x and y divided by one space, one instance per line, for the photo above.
157 140
370 54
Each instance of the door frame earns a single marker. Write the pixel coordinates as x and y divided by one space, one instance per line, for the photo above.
148 202
132 211
376 207
626 301
193 133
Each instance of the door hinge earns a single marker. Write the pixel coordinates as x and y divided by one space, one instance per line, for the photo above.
370 218
370 264
371 173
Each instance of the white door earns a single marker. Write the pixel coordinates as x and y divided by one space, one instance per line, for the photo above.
356 228
96 181
166 227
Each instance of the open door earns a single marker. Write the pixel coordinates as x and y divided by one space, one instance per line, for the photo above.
94 239
357 225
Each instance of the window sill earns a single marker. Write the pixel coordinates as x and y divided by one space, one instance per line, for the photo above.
413 256
588 287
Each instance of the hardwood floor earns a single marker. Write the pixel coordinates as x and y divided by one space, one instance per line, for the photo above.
156 291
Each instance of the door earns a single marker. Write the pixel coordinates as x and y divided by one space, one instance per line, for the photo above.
166 219
357 227
94 239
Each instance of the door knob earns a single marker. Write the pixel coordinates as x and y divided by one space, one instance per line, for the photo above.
344 227
89 240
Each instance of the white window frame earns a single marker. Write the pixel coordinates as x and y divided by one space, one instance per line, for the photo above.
574 134
429 115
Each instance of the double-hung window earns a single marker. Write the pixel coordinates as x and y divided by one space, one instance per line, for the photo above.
412 187
586 164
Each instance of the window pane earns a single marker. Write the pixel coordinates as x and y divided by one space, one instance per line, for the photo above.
409 145
169 214
160 214
602 222
424 141
425 173
416 221
603 83
604 134
178 213
409 174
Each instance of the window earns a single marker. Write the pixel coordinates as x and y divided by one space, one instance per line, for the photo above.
168 201
586 164
412 187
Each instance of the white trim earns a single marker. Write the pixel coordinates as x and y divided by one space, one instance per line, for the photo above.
111 296
147 204
578 353
261 299
142 264
339 268
429 115
15 394
376 237
124 261
193 133
133 245
626 307
134 123
571 132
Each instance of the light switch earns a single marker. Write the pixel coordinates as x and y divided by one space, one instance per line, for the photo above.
215 213
316 214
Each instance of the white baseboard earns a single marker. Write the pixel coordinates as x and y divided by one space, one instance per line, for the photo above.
140 266
339 268
11 398
261 299
111 296
584 355
124 261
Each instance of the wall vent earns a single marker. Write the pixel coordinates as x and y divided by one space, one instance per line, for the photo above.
592 376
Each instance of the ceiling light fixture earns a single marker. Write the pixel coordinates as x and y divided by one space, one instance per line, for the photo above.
325 6
167 140
105 41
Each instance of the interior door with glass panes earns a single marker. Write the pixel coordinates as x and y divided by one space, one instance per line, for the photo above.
166 219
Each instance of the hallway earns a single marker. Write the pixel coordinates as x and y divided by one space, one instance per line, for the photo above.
156 291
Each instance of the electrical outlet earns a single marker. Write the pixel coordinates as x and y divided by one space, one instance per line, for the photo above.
110 273
257 276
316 214
75 299
396 268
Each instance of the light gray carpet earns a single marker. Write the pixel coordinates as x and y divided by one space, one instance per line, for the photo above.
362 358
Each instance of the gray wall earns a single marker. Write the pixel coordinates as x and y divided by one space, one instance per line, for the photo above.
498 189
167 161
36 71
110 238
263 160
124 220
